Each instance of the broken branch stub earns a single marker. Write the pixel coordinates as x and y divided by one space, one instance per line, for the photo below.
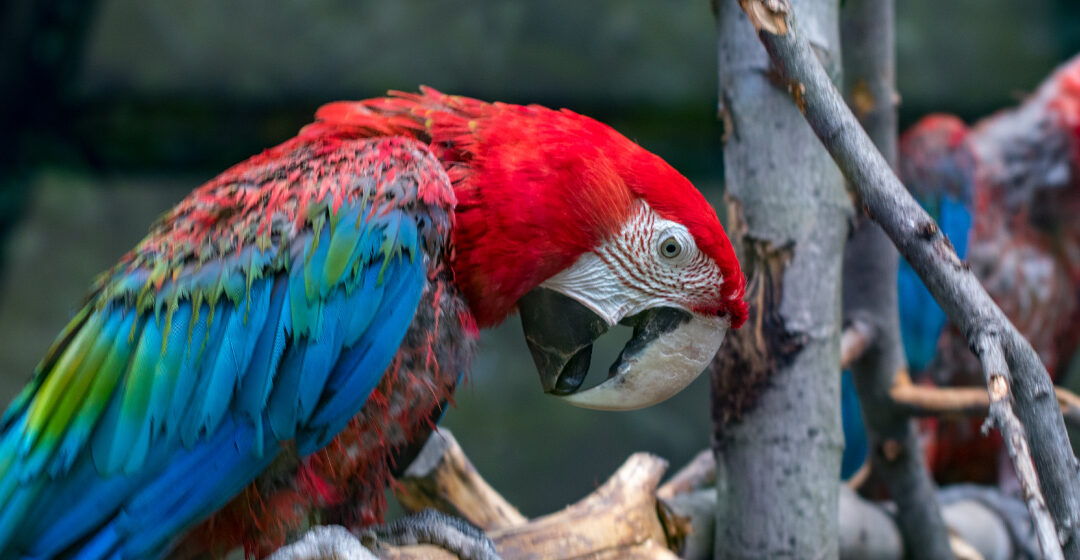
443 478
854 342
698 473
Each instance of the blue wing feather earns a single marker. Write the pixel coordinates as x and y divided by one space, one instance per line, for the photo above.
113 441
204 379
254 389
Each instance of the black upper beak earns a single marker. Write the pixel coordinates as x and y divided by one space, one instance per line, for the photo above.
560 332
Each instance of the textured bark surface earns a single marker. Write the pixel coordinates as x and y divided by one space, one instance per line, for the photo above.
922 243
870 300
778 460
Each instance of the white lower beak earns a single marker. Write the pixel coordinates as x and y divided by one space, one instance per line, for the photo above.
659 370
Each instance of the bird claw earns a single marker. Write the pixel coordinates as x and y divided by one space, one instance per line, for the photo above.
453 534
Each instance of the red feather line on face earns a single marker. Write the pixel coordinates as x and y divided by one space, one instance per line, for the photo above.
536 188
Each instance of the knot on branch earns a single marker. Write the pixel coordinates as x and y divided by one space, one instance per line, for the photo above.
927 230
998 387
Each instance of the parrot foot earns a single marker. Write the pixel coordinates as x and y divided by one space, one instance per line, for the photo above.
435 528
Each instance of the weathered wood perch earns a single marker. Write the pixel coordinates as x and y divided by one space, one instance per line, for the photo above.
442 477
620 519
630 517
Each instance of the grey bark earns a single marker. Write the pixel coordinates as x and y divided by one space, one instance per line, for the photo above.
921 242
870 299
778 465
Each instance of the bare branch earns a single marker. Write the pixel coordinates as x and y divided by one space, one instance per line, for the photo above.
621 514
922 243
870 300
1070 406
996 523
996 371
919 400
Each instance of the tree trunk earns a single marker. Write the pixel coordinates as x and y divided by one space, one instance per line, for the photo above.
776 392
870 267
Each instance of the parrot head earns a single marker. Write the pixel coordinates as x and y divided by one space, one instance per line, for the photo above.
936 162
578 229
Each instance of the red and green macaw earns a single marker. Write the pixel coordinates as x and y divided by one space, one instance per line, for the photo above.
295 322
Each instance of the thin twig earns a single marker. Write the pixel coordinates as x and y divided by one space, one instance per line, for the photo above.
922 243
922 400
854 341
996 371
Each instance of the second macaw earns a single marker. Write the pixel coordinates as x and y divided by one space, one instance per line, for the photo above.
1006 191
293 323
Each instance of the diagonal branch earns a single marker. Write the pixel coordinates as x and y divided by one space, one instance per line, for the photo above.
921 242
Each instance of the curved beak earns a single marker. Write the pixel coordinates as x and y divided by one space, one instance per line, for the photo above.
560 332
668 350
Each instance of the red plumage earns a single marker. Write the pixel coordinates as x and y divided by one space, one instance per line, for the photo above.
535 189
528 163
1021 168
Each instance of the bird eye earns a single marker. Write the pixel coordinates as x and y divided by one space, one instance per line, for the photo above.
670 247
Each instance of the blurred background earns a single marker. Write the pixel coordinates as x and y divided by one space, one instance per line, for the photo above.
112 110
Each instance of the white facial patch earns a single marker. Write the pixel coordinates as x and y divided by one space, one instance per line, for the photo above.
652 262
